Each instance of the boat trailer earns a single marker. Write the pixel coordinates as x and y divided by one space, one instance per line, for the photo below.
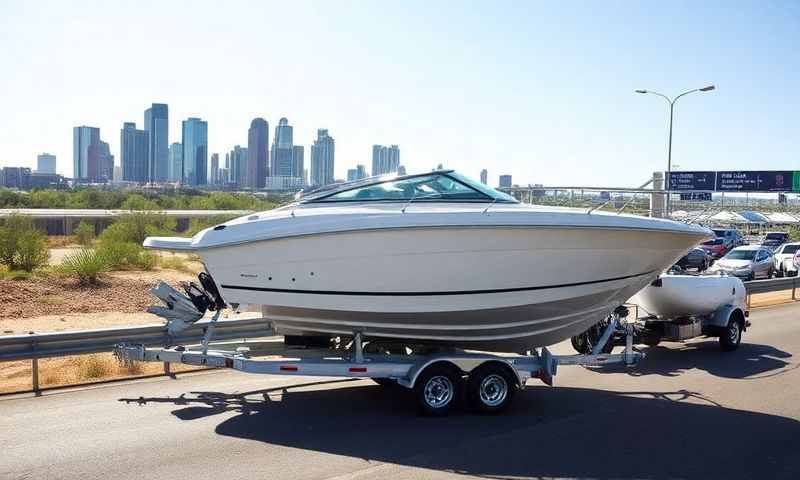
438 377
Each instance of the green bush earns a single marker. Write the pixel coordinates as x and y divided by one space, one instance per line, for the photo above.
127 255
22 246
85 233
86 265
135 227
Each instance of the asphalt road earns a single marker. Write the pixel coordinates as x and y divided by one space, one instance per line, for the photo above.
688 411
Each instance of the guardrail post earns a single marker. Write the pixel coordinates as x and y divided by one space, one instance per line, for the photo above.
794 288
167 370
35 370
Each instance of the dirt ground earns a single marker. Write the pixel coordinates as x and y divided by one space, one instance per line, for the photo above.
57 304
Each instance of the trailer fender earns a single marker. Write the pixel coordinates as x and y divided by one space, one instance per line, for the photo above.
721 317
464 365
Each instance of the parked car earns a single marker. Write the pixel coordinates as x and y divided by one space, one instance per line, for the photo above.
784 259
696 258
730 236
748 262
715 248
773 240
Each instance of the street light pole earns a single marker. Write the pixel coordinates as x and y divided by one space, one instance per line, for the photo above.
671 102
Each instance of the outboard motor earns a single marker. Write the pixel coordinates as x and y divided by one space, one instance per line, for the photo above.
183 309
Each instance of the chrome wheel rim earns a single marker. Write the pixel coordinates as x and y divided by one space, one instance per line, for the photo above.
733 333
493 390
438 391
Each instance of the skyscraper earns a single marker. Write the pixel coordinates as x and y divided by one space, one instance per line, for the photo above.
156 123
505 181
215 180
322 159
281 154
237 165
133 150
46 163
298 152
106 163
176 162
385 159
357 173
85 153
254 173
484 177
195 151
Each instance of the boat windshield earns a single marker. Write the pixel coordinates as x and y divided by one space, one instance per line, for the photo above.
436 186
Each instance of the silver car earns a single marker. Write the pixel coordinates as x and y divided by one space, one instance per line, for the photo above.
748 262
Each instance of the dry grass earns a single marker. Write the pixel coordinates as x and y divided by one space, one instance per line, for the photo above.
60 241
175 263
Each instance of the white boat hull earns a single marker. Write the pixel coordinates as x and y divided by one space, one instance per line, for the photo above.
497 288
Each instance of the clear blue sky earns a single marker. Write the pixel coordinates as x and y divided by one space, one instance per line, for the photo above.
540 90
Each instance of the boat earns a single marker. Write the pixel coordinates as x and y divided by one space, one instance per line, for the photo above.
434 258
676 296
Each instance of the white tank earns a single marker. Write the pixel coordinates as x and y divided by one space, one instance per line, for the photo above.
673 296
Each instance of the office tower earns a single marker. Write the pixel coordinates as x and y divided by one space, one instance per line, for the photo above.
176 162
156 123
505 181
214 169
281 154
194 137
254 171
401 170
106 162
322 159
484 177
133 151
298 152
85 153
46 163
385 159
237 161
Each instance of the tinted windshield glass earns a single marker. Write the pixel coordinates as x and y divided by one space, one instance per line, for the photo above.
495 194
719 233
716 241
741 255
776 236
790 249
428 187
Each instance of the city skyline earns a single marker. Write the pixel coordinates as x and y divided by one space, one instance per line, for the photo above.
512 87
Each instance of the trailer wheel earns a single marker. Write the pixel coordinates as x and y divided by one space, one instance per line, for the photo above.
731 337
437 389
580 343
491 388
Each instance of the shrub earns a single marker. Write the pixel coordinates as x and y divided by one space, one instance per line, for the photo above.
135 227
94 366
122 255
22 246
84 233
174 263
32 251
86 265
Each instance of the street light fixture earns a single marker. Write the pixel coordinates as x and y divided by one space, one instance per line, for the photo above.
671 102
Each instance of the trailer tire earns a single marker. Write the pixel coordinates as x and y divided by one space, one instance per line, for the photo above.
580 343
491 387
438 388
731 336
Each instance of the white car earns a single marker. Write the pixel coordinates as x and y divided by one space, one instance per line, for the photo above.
784 259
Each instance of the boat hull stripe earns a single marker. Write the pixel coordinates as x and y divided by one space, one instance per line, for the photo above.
431 294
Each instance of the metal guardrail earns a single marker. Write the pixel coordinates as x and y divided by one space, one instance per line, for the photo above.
772 285
59 344
34 346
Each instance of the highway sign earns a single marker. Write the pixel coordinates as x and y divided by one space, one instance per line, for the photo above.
757 181
691 180
696 196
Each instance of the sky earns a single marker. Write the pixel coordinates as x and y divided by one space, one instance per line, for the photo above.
542 91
